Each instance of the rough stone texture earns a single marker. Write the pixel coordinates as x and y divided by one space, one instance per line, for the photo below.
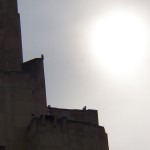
89 116
10 36
26 123
50 132
21 96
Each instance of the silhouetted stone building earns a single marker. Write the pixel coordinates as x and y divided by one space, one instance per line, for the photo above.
26 123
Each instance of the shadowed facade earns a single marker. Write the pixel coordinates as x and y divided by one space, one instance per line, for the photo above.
26 123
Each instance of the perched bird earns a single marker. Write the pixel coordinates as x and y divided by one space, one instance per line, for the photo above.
84 108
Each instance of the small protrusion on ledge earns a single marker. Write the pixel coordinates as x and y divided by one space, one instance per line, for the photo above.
84 108
42 56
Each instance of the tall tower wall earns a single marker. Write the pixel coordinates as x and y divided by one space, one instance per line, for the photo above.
22 85
10 36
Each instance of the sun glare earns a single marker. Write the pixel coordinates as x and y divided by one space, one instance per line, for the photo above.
119 41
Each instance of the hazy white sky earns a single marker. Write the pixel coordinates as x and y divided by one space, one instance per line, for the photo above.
60 29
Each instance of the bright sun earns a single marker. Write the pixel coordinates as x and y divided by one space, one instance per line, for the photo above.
119 41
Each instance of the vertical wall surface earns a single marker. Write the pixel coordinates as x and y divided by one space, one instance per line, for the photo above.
10 36
65 134
22 86
22 96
